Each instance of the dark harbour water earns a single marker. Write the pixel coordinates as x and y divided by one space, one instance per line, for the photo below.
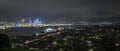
29 30
12 32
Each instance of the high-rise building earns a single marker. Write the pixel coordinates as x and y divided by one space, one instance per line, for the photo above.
37 21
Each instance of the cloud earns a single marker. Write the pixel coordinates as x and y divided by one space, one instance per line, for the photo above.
66 9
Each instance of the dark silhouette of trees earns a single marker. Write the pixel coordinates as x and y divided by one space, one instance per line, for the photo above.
4 41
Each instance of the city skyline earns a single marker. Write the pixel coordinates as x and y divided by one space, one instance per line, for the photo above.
59 25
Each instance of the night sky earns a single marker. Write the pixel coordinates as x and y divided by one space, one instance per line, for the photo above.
61 10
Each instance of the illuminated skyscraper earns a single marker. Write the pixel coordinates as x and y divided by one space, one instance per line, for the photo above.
23 21
36 21
30 21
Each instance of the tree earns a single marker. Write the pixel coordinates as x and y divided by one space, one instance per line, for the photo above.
4 41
